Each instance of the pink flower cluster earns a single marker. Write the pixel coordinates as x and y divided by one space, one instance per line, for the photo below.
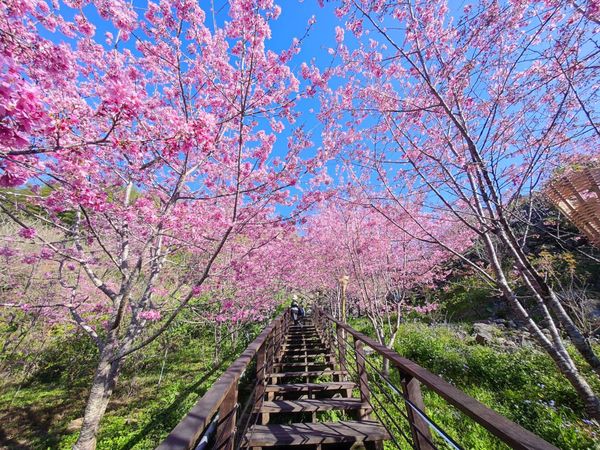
150 315
27 233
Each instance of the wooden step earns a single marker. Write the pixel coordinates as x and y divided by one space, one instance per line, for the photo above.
310 405
316 373
299 340
310 387
301 364
303 339
302 335
296 357
309 351
315 433
305 350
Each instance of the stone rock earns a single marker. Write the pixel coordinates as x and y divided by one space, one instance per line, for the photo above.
484 332
483 327
524 339
506 343
511 324
75 425
546 331
483 338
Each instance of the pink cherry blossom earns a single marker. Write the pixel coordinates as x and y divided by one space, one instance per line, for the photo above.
150 315
27 233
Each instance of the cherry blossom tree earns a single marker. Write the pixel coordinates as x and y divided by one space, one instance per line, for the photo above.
389 269
469 110
142 161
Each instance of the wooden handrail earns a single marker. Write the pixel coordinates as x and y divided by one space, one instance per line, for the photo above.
188 432
507 431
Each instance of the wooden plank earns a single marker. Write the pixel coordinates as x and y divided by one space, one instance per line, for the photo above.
509 432
309 351
314 339
310 405
310 387
315 433
296 356
316 373
323 364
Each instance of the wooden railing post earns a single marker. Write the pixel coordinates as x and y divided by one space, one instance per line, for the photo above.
341 347
331 333
419 428
227 414
268 356
272 353
275 342
363 381
261 362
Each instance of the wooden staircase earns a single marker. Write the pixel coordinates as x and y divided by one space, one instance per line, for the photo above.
305 380
309 389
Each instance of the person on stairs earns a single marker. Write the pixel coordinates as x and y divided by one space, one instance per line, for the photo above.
295 311
301 314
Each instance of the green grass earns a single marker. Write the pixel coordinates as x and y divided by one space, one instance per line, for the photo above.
521 384
35 410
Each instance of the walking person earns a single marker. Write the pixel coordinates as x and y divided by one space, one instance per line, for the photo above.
301 315
295 311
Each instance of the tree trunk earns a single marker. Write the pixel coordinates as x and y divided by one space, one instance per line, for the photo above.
590 400
390 344
556 350
582 344
385 367
555 347
546 294
103 385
